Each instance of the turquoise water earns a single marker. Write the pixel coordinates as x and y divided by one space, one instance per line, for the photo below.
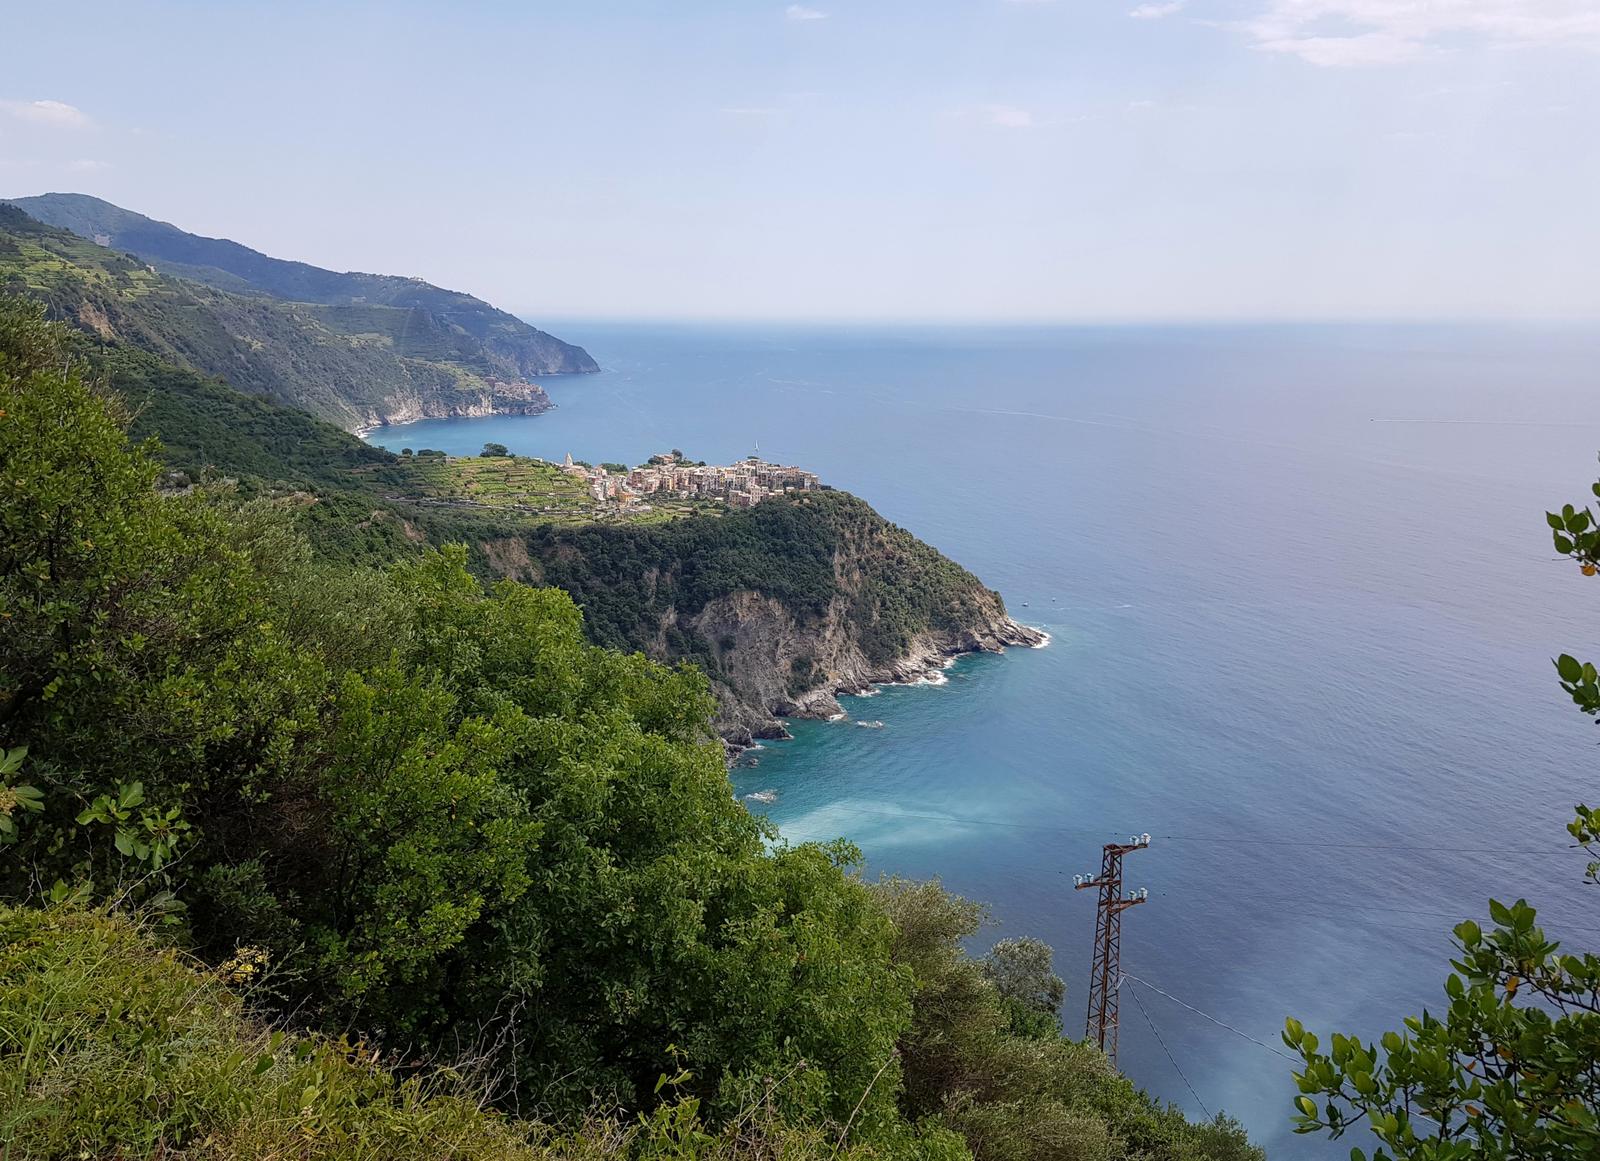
1302 604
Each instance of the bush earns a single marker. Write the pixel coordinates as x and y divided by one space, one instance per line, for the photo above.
115 1046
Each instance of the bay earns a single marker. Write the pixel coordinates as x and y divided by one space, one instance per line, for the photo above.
1302 605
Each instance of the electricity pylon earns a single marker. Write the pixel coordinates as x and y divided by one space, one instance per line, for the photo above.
1105 977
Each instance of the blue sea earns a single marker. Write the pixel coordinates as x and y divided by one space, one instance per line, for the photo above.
1302 603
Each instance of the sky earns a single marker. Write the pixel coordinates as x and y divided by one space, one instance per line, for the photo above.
940 160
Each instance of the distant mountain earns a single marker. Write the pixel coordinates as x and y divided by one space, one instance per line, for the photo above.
406 350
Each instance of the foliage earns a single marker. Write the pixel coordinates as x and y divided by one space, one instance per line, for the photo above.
1018 1093
415 318
1020 973
494 449
111 1046
1511 1068
445 818
340 363
1493 1077
438 808
207 427
626 578
17 799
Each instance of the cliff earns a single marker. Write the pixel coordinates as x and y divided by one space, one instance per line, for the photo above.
760 644
785 605
406 351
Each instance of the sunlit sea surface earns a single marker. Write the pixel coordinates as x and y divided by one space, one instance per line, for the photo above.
1302 602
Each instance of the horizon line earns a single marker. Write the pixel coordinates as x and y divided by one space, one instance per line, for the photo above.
542 318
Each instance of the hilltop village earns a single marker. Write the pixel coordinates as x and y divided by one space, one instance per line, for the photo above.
741 485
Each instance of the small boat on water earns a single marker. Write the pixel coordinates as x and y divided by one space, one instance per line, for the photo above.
767 796
873 725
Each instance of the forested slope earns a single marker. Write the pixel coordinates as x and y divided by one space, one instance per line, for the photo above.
433 816
328 360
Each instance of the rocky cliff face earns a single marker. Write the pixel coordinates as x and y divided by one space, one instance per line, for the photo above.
785 605
406 405
760 646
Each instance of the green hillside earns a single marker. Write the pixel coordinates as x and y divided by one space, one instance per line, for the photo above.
300 354
420 320
429 817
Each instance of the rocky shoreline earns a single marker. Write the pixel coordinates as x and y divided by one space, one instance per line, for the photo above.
924 664
502 398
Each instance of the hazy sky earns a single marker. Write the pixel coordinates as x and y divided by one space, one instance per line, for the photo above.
982 159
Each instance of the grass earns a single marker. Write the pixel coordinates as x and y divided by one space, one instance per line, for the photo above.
522 486
113 1046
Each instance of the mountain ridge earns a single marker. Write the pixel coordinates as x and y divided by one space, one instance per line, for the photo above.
234 267
357 364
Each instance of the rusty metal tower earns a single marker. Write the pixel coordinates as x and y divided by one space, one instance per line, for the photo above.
1105 977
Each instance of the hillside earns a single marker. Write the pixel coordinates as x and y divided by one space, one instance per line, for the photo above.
459 856
420 319
149 1052
357 364
783 605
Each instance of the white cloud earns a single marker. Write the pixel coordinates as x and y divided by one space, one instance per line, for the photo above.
57 114
804 12
1347 33
1008 117
87 165
1157 11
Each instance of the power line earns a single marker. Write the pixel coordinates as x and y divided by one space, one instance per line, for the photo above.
1213 1019
1176 1068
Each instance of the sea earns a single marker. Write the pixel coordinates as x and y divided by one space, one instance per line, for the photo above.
1302 604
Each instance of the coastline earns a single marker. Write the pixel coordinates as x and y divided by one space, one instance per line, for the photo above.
924 664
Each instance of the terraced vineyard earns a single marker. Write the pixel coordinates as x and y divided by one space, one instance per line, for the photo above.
518 484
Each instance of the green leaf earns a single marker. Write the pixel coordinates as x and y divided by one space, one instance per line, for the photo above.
1563 545
1570 669
1555 521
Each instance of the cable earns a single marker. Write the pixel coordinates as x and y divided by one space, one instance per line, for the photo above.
1208 1016
1164 1047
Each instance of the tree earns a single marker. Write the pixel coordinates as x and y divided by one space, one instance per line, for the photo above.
495 449
1511 1068
1018 1094
1021 974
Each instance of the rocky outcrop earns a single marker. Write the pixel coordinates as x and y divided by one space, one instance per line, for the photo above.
761 648
408 406
784 605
